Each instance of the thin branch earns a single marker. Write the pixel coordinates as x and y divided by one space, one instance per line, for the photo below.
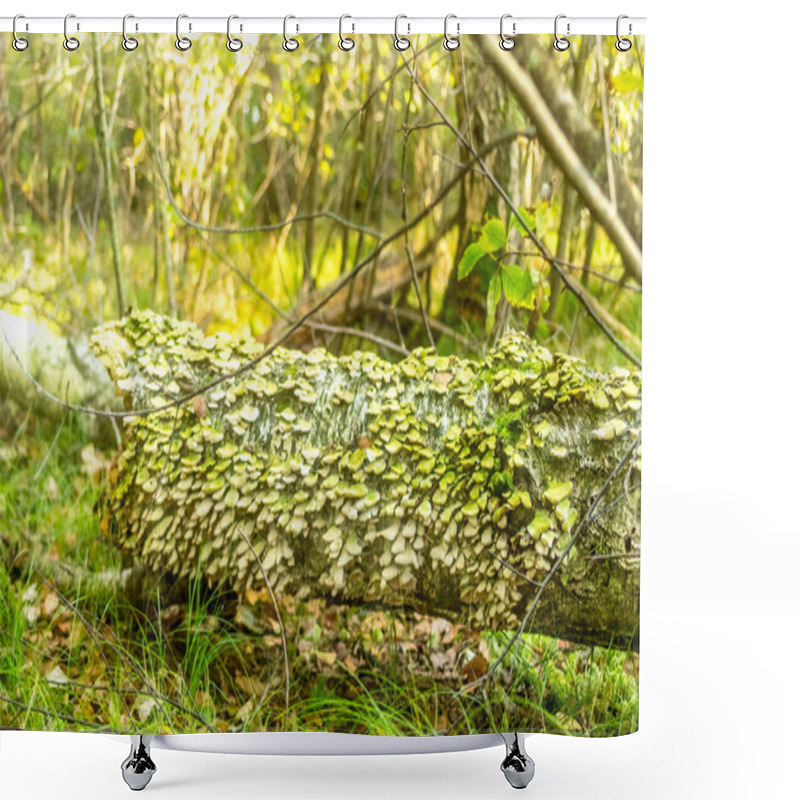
56 715
568 282
618 282
335 329
587 518
199 226
277 611
409 253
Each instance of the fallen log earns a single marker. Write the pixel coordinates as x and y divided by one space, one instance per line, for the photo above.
62 365
439 484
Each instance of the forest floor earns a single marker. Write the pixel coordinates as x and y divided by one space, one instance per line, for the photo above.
197 659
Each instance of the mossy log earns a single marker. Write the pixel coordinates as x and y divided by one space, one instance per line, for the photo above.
439 484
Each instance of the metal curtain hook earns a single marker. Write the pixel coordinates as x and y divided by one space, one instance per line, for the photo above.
345 42
623 45
18 43
560 43
289 44
233 44
451 42
128 42
70 42
507 42
182 42
400 42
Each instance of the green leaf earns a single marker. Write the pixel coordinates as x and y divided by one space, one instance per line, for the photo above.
530 221
627 81
493 236
471 256
492 299
518 286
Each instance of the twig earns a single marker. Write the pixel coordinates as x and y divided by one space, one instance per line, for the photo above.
341 329
277 610
412 315
633 287
409 253
120 651
539 244
55 439
56 715
276 226
587 518
513 569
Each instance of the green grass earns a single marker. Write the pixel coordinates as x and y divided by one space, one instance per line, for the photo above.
182 662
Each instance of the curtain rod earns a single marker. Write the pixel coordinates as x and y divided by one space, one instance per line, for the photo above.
407 25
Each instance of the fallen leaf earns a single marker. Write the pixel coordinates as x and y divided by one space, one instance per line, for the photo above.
143 708
50 604
57 676
326 657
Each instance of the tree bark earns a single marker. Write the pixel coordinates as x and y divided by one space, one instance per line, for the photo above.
439 484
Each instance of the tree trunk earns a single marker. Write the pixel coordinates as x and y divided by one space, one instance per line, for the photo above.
436 483
108 179
585 137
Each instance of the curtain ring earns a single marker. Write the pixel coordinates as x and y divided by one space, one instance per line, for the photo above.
451 42
233 44
560 43
289 44
623 45
345 42
70 42
18 43
128 42
507 42
400 42
183 43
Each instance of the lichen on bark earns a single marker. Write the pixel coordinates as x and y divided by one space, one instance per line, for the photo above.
436 483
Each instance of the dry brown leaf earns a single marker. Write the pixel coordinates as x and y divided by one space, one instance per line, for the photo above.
326 657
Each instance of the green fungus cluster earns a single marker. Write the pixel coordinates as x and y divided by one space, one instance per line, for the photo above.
434 480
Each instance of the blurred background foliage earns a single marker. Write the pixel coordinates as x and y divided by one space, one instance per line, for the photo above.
205 143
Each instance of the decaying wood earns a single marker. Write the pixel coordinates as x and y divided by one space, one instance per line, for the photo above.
441 484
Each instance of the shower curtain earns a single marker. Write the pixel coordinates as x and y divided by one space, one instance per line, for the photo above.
320 385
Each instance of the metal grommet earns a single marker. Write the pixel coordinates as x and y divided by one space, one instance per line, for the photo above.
507 42
182 42
128 42
289 44
233 44
18 43
623 45
560 43
70 42
451 42
400 42
345 42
